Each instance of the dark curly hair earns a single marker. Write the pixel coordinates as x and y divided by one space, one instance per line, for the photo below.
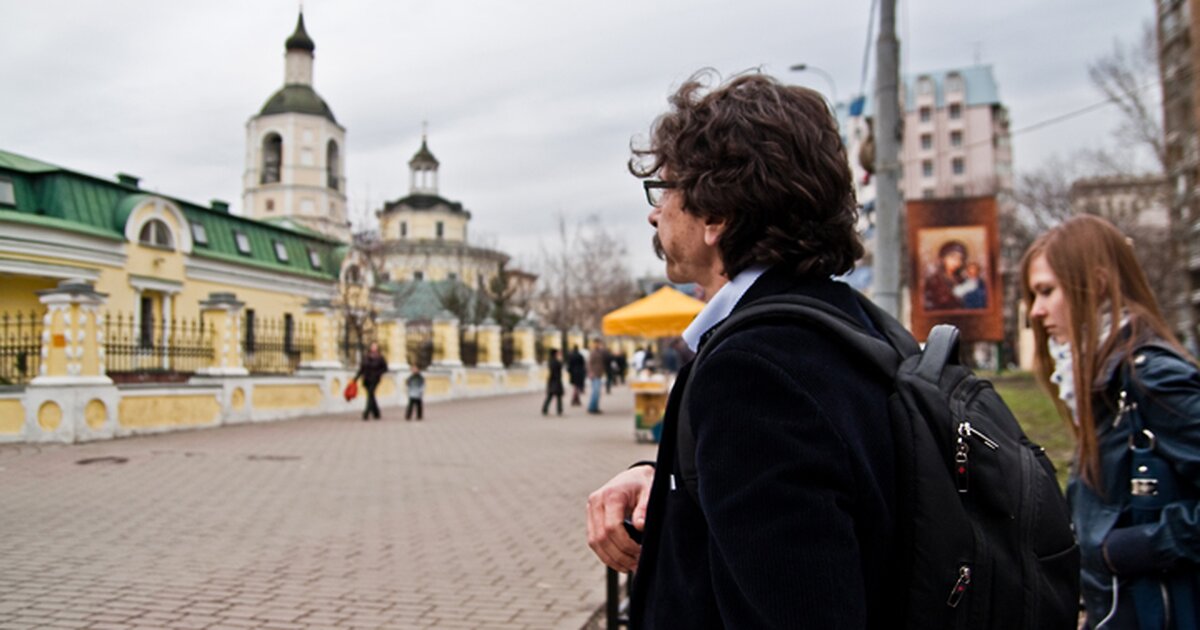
766 159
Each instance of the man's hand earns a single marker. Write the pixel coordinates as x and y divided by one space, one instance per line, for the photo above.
624 495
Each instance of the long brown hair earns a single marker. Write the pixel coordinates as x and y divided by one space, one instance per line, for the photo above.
1097 270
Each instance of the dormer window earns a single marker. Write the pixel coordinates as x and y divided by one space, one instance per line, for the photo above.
242 241
280 251
954 83
199 234
156 234
925 86
7 196
314 259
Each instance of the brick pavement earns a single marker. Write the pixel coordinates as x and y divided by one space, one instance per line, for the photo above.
471 519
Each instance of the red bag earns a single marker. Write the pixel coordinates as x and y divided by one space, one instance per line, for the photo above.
351 390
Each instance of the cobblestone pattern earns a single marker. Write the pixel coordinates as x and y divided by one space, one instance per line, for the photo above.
470 519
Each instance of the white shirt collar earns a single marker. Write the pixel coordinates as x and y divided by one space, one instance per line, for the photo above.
721 305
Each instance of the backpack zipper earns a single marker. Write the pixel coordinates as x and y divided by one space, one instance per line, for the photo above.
962 474
960 587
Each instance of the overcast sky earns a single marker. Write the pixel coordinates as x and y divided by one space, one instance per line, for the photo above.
531 104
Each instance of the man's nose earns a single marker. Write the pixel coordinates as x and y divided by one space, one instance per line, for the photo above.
653 217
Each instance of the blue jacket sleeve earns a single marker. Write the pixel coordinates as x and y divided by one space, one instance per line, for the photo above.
1169 404
776 488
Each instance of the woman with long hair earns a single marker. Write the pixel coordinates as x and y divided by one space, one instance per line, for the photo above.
1130 394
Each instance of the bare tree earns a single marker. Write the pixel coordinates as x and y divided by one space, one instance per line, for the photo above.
1127 76
357 300
585 277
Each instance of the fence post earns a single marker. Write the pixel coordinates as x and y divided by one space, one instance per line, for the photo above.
72 335
524 345
320 315
394 331
489 345
222 311
575 339
71 398
445 340
552 338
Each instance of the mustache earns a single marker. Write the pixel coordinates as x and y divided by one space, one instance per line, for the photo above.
658 247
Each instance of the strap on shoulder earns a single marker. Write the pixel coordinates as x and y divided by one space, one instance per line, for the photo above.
883 355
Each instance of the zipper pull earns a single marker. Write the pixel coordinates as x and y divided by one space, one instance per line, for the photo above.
961 475
1123 407
960 587
971 431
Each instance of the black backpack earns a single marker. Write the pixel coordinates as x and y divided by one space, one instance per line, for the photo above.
984 537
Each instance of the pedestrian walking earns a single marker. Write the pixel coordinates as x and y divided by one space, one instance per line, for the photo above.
792 521
577 371
371 369
416 394
597 363
554 382
1129 394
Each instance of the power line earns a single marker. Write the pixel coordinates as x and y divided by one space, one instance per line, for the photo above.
862 84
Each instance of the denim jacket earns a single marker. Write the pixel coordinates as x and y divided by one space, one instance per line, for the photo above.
1116 553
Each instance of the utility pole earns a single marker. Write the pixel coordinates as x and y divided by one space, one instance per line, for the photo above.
887 162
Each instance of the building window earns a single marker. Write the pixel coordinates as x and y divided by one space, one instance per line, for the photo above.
404 229
441 229
955 111
452 276
199 234
959 191
926 141
331 164
927 193
280 252
954 82
958 165
314 259
289 333
270 205
352 275
249 341
146 325
243 242
418 275
956 138
272 158
924 86
155 233
926 114
7 196
927 168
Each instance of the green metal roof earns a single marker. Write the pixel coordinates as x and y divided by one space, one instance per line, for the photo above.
296 98
418 300
423 202
300 39
55 197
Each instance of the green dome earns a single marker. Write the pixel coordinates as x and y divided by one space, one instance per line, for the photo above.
297 99
300 39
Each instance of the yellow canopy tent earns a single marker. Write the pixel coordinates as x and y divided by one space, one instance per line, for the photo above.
664 313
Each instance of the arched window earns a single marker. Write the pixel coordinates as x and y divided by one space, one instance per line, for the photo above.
331 164
272 158
352 275
156 233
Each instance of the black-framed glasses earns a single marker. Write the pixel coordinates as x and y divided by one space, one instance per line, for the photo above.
655 189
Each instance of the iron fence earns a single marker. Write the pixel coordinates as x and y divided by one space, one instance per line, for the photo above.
276 346
139 347
468 346
420 344
20 347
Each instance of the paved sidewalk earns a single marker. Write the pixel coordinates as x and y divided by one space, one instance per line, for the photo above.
470 519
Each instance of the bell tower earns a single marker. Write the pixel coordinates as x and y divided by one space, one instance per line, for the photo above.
295 148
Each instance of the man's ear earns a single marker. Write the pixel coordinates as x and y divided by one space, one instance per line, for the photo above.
712 232
1101 280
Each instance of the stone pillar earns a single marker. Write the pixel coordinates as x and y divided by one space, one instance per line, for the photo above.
524 344
321 317
393 330
575 340
489 340
552 338
445 340
221 313
72 336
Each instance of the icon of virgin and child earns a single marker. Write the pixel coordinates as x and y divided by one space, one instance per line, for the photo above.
955 282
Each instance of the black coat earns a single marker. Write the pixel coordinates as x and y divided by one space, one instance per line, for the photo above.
576 368
554 384
795 463
371 369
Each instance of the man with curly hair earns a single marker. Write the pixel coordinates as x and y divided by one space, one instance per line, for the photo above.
792 517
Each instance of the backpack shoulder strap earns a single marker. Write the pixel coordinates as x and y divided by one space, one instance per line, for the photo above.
882 355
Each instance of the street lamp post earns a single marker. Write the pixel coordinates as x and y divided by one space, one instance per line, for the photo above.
801 67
